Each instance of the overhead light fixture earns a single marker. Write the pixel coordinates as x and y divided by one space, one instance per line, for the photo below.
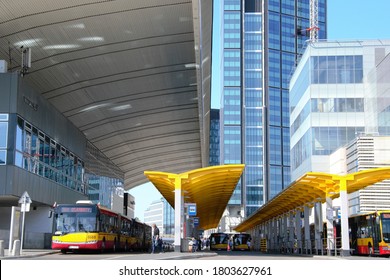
191 65
121 107
27 43
93 107
91 39
61 47
77 25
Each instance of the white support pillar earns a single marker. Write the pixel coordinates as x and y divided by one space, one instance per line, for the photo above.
279 230
178 218
273 234
276 234
318 227
298 231
285 232
345 249
291 229
330 240
306 223
179 212
268 235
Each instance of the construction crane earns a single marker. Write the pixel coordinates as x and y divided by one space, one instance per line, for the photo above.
313 29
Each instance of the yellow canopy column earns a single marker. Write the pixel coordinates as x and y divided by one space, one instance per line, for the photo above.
210 188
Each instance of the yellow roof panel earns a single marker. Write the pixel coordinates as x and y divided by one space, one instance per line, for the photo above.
210 188
311 188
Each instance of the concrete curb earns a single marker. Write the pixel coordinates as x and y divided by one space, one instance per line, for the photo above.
29 255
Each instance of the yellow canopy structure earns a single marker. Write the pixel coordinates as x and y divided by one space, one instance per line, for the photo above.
210 188
311 188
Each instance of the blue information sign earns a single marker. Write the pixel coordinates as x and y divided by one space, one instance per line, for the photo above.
196 221
191 209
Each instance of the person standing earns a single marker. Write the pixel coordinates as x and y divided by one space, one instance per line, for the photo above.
156 237
248 243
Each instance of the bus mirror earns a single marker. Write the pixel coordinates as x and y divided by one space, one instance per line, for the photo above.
50 214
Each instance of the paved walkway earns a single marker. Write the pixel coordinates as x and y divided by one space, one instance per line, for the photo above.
31 253
28 253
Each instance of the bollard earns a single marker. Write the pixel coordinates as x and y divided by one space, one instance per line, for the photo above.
16 248
1 248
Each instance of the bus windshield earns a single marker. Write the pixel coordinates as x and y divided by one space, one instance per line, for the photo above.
219 238
239 239
386 227
75 219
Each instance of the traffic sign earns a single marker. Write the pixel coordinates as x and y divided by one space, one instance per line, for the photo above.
191 209
25 198
196 221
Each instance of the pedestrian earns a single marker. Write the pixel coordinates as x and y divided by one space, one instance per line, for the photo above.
195 246
230 245
156 237
191 245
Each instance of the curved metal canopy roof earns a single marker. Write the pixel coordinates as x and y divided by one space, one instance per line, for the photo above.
210 188
311 188
126 73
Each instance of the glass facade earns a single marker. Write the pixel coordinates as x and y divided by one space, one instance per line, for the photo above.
3 138
162 214
40 154
342 69
214 137
331 102
255 111
104 179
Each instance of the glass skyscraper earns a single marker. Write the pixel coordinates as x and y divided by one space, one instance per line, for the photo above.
262 40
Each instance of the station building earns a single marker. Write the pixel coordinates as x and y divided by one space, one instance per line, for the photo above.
44 154
92 95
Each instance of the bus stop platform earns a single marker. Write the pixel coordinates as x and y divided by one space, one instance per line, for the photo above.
28 253
34 253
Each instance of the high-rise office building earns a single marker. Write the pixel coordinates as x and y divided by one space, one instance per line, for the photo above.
161 213
338 92
340 114
262 40
214 137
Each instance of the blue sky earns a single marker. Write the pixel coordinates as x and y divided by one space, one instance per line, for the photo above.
347 19
358 19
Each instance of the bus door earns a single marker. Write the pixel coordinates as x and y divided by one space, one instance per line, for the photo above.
376 238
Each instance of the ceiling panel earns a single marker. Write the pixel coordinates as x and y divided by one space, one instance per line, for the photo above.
124 72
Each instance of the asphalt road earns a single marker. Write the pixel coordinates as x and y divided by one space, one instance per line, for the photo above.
204 255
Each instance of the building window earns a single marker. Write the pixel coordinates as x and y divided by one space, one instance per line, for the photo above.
253 6
336 69
38 153
3 138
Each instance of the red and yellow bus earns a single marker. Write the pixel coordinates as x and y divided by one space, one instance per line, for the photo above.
88 226
370 233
